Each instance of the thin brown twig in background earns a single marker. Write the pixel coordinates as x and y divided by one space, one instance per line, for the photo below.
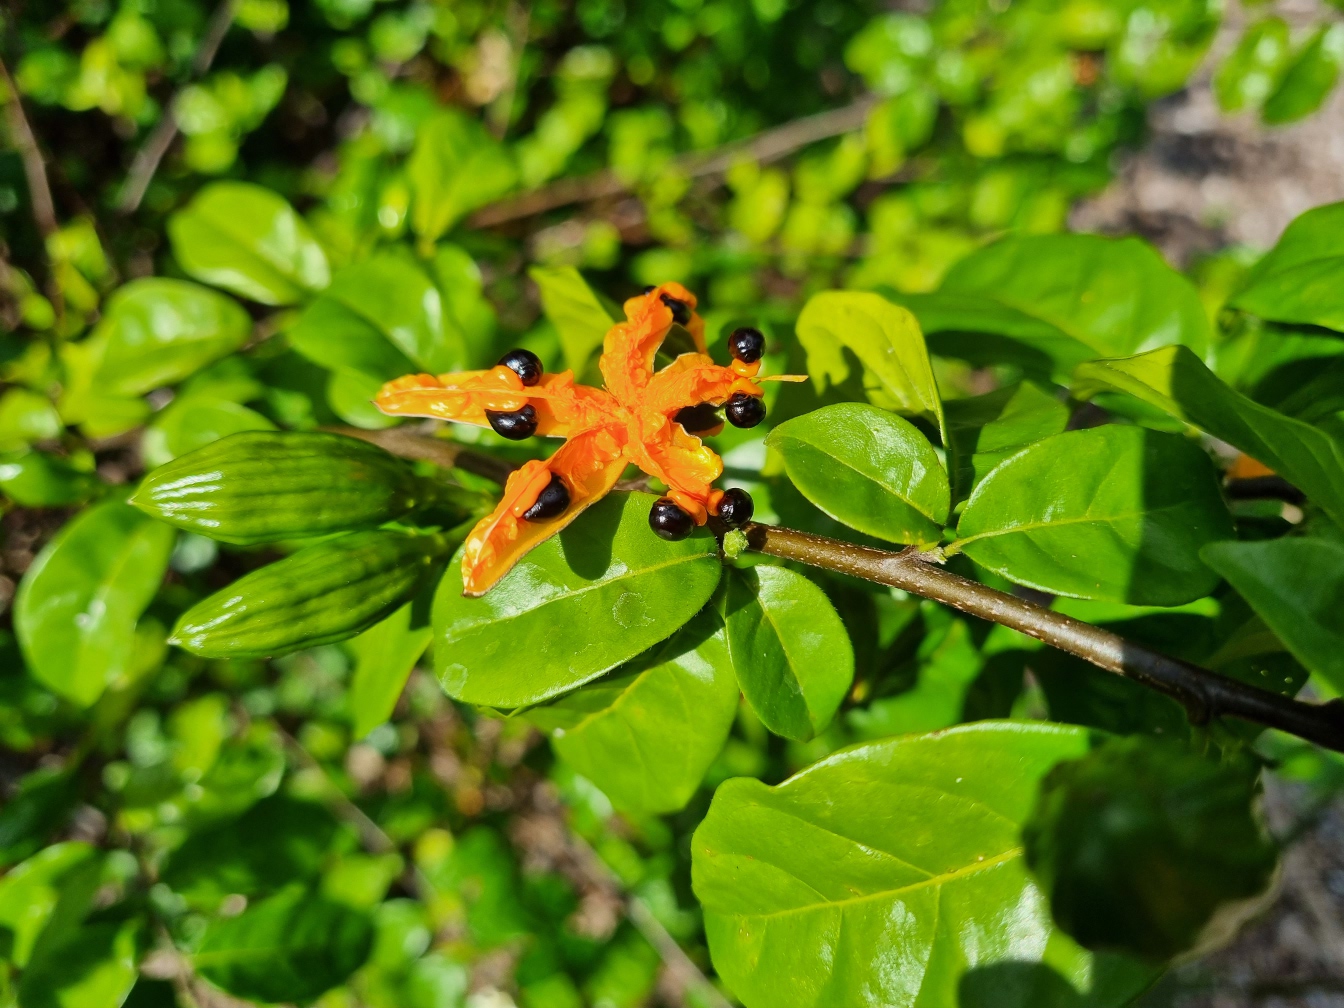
34 166
147 158
770 145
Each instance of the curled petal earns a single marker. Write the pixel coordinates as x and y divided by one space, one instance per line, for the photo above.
630 346
589 463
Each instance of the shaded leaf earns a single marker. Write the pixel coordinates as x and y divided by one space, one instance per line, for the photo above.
1309 78
790 650
95 967
385 654
576 312
1113 513
1300 279
986 429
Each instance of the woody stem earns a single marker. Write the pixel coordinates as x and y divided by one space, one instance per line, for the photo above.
1204 694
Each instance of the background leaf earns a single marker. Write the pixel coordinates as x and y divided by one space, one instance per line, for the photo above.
892 871
292 946
248 240
456 166
792 654
385 654
1299 279
867 468
1297 587
93 968
77 606
646 734
1177 382
581 603
986 429
1113 513
1309 78
576 312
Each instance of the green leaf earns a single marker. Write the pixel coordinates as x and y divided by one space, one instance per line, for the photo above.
26 417
602 591
30 892
576 312
77 606
1309 78
456 166
95 967
382 317
790 651
36 479
1177 382
1297 587
986 429
292 946
277 842
647 734
384 656
157 331
885 338
891 873
1254 68
1114 297
248 240
1139 842
865 467
1112 513
44 801
191 423
1299 280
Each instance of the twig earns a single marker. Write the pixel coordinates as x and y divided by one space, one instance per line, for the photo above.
34 167
763 147
409 445
1204 694
147 158
673 955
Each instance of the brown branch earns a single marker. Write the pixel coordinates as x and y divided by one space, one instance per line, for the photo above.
34 167
409 445
771 145
147 158
1204 694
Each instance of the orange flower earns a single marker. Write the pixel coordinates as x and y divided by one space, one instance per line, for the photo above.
634 419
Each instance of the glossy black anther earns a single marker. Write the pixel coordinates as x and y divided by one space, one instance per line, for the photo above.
669 521
649 289
525 364
736 507
681 311
515 426
697 419
551 502
744 410
746 344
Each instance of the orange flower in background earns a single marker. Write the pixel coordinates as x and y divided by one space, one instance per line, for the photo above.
642 416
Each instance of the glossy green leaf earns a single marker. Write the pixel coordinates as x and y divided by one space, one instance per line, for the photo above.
77 606
1177 382
95 967
382 317
647 734
292 946
1113 513
193 423
1253 69
1114 297
1309 78
248 240
156 331
1300 279
602 591
30 892
576 312
456 166
884 337
867 468
790 651
986 429
385 654
36 479
1297 587
891 873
